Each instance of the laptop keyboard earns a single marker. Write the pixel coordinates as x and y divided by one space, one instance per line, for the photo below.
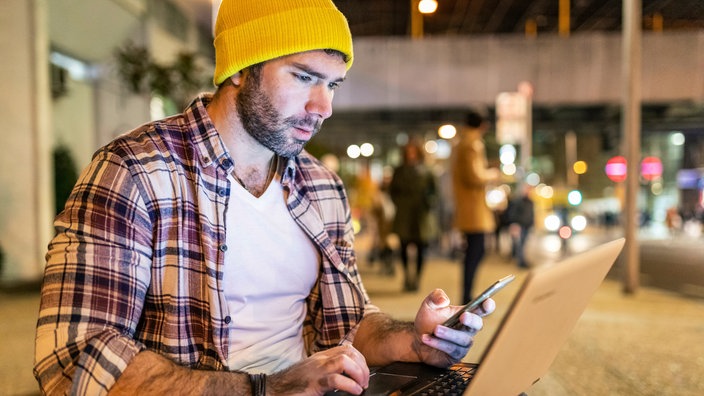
452 381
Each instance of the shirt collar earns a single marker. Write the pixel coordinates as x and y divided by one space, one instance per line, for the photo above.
205 137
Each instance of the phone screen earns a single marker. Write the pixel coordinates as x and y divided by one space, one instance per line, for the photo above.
454 320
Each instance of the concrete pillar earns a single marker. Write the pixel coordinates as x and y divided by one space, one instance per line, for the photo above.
26 191
631 124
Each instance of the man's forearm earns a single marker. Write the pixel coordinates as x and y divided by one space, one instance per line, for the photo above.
149 373
383 340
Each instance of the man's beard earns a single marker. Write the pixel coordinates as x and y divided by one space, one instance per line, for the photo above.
263 122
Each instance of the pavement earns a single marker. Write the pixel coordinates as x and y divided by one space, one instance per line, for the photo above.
650 342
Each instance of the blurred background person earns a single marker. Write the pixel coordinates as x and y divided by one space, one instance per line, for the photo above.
413 192
470 176
673 221
362 195
501 226
449 240
382 213
519 216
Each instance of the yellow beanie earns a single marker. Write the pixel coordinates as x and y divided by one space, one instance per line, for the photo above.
248 32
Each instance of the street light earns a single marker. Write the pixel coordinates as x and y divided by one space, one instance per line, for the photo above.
417 11
427 6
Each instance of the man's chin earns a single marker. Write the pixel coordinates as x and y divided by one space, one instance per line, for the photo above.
291 150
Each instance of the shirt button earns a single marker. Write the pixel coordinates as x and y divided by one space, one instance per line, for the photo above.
228 319
223 248
206 160
221 192
226 163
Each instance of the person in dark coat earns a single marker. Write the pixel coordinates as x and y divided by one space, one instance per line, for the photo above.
520 219
413 192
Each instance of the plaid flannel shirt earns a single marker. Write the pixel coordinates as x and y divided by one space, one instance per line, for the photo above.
137 260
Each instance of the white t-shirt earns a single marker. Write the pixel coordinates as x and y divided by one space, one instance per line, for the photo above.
270 267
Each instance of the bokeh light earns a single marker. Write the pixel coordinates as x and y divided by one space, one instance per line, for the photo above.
427 6
565 232
552 222
431 147
507 154
580 167
447 131
677 139
533 179
579 223
509 169
545 191
574 197
366 149
353 151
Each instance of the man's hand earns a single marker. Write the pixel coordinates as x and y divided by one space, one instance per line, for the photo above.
343 368
442 346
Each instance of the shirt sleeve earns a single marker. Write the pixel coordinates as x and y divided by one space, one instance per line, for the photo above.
95 281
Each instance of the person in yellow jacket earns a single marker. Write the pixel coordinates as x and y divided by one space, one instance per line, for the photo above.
470 176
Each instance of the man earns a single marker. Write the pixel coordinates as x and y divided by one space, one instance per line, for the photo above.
199 253
470 176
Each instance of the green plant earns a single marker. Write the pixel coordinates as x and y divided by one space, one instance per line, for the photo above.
65 175
133 66
176 81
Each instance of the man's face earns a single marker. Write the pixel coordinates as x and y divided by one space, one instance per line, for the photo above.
283 104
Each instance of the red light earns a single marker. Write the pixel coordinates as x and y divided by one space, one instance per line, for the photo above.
616 169
565 232
651 168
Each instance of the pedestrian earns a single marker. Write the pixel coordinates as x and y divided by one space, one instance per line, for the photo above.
383 212
413 193
673 220
520 218
470 177
208 253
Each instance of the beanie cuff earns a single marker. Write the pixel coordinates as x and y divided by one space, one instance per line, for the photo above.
276 35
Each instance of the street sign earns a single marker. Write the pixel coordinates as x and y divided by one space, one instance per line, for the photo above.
651 168
511 117
616 168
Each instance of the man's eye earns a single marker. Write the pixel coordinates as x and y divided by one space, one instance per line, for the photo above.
304 77
333 86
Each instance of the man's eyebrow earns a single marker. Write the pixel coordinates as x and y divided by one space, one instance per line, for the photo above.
308 70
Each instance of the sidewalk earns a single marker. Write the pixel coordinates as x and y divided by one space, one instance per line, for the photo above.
649 343
18 311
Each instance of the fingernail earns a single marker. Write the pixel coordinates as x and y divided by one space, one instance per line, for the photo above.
440 331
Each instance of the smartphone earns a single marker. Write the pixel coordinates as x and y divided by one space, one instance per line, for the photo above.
454 320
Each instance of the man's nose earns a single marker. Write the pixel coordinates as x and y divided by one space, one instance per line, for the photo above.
320 102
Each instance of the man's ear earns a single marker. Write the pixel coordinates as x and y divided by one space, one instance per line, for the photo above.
236 79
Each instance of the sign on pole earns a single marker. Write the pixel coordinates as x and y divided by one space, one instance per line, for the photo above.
514 120
511 111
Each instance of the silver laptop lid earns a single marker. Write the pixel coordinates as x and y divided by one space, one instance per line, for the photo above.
541 318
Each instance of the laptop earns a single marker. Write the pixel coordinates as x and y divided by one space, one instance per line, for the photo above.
536 325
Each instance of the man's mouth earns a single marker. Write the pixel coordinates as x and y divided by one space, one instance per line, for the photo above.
308 127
